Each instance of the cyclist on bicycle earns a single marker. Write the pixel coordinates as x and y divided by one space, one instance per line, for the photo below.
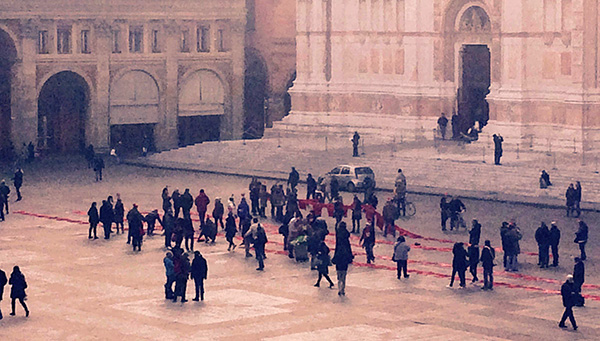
456 207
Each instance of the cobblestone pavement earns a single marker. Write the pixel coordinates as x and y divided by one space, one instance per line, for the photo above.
81 289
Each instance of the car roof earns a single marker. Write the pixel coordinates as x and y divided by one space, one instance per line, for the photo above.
361 166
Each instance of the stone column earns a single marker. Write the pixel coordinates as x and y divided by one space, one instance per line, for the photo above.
232 126
24 88
97 129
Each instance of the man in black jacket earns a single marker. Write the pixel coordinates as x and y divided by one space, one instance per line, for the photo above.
18 182
3 282
187 202
568 294
199 274
542 237
554 241
487 262
578 275
4 191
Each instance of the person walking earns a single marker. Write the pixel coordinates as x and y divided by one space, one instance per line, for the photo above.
311 187
107 216
368 241
17 290
570 196
581 237
542 237
355 140
293 178
135 220
260 240
473 251
498 139
170 273
3 281
98 167
187 202
356 214
120 215
230 231
576 204
18 182
459 264
442 125
323 263
182 275
487 263
567 292
4 192
218 212
202 202
444 210
199 274
342 256
554 241
94 219
390 212
400 256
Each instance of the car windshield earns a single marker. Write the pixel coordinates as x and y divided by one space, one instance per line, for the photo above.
363 170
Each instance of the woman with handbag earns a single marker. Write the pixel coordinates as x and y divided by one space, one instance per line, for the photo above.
17 291
323 262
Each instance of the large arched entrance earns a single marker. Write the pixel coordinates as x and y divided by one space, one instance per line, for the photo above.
62 110
8 55
255 96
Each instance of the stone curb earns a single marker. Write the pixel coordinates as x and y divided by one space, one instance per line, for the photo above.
539 202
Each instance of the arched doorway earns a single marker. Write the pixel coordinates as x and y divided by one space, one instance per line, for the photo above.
201 107
134 99
8 56
255 96
62 110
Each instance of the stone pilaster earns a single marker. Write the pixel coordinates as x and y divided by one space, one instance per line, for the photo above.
233 125
98 122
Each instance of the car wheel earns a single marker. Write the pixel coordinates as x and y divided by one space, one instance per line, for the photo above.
351 187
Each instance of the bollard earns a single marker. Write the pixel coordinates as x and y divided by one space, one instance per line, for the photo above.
393 146
363 146
531 142
596 164
574 146
554 161
279 141
517 151
483 156
401 138
244 142
325 143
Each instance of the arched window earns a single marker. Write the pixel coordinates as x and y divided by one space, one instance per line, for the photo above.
134 99
200 94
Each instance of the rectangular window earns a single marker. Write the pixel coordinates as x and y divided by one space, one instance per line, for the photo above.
43 42
85 41
155 44
63 40
185 41
136 38
203 39
221 44
116 37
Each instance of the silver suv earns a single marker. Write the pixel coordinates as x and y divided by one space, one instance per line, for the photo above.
350 178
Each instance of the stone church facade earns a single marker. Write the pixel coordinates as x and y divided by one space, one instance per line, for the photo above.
92 72
527 68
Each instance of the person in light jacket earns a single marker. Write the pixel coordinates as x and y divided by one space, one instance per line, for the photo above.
401 256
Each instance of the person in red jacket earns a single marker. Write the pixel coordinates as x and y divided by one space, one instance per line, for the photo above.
202 202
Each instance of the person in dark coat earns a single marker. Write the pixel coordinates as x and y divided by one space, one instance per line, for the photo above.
135 221
542 237
17 291
570 196
244 228
94 219
230 231
568 298
455 207
444 210
498 139
18 182
576 204
107 216
323 264
342 256
442 125
199 274
90 154
475 233
554 241
513 236
259 246
3 281
578 275
187 202
254 189
181 275
4 192
188 234
473 251
170 273
263 198
390 213
355 140
487 263
368 241
293 178
202 201
338 210
166 199
505 243
545 180
311 186
98 167
581 237
335 188
209 232
151 219
176 197
119 216
2 202
218 212
356 214
243 210
455 126
459 264
178 232
168 224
